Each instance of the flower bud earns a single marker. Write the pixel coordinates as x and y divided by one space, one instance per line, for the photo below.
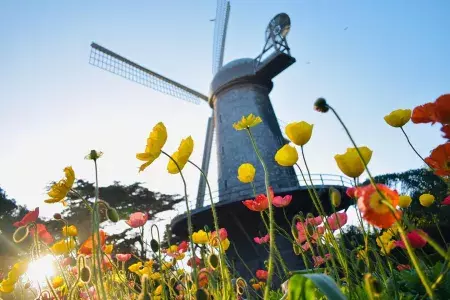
20 234
321 105
85 274
154 245
27 285
201 294
335 197
94 155
112 214
213 261
57 216
296 248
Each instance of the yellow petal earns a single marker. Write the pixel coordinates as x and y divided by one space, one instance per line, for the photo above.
398 118
299 132
246 173
286 156
350 163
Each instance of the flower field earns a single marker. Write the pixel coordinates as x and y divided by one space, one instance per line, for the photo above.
394 258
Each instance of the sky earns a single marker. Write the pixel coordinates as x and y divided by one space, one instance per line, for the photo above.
366 58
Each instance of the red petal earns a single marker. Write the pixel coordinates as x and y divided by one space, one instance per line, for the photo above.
424 113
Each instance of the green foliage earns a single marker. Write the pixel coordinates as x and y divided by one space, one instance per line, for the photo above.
313 286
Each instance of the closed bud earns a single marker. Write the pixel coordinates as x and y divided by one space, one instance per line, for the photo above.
20 234
57 216
206 228
112 214
27 285
213 260
154 245
201 294
85 274
335 197
321 105
297 250
94 155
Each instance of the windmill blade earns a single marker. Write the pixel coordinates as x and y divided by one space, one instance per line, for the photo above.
112 62
220 33
205 161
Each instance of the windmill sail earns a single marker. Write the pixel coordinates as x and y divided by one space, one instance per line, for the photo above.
119 65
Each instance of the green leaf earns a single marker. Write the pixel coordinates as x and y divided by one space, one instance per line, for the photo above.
313 286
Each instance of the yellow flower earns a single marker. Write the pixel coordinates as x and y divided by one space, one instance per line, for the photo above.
158 290
70 230
385 242
286 156
149 263
225 244
426 199
155 142
181 156
166 265
57 282
404 201
134 268
63 247
59 190
200 237
350 163
247 122
108 249
144 271
299 132
246 173
398 118
155 276
6 288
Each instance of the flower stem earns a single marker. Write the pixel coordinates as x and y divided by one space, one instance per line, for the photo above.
271 217
414 149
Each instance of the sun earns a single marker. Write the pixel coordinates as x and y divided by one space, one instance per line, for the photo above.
41 268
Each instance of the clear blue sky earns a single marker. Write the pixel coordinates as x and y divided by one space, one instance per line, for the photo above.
55 107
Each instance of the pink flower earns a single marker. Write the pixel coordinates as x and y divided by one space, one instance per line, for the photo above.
262 274
446 200
337 220
223 234
137 219
279 201
415 240
262 240
123 257
317 233
318 261
66 261
30 217
403 267
197 261
43 234
314 221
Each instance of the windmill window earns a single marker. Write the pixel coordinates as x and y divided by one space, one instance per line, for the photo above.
226 185
223 150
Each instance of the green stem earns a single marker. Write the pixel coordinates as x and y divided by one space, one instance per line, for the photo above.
414 149
271 217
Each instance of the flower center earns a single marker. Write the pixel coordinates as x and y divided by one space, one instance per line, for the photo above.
377 205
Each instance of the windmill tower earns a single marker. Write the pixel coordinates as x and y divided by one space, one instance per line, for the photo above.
239 88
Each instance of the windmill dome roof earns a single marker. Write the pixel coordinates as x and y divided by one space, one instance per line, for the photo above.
235 69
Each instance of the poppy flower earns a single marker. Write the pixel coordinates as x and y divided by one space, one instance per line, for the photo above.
373 210
446 201
351 192
446 131
183 246
350 163
438 111
262 240
299 132
181 156
155 142
70 230
318 261
262 274
424 114
404 201
246 173
43 234
414 239
337 220
86 247
123 257
439 160
246 122
286 156
196 260
223 234
398 118
279 201
59 190
442 109
426 200
260 203
137 219
63 247
402 267
30 217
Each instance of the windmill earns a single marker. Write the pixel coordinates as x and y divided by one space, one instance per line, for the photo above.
254 74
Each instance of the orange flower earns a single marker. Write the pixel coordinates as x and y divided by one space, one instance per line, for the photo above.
86 247
438 111
372 208
439 160
446 131
260 203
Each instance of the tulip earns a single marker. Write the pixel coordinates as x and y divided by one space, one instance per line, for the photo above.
246 173
286 156
299 132
398 118
350 162
426 200
404 201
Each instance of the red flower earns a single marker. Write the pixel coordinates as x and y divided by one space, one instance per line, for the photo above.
183 247
439 160
123 257
438 111
262 240
337 220
137 219
351 192
403 267
415 240
372 208
282 201
260 203
43 234
442 109
197 261
446 201
86 247
30 217
314 221
262 274
223 234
